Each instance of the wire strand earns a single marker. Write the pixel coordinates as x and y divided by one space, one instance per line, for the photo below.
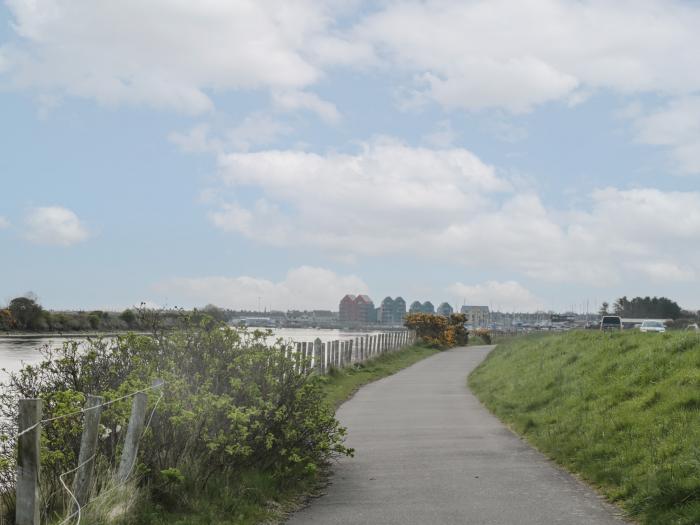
70 493
83 410
122 483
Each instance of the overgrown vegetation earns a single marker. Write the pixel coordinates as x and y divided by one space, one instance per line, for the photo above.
438 331
255 497
621 409
236 417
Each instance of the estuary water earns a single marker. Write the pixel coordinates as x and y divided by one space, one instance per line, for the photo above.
14 351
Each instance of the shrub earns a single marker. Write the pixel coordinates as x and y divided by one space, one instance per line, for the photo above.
230 402
438 331
484 334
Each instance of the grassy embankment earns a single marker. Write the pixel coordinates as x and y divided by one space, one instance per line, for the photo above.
259 498
622 410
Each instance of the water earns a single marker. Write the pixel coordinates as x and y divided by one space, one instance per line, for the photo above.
16 351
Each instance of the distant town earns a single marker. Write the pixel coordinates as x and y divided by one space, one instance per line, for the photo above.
359 312
355 312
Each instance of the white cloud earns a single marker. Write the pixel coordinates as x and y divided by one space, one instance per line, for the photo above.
257 130
294 100
198 139
677 125
447 205
4 223
507 295
254 130
376 201
54 225
305 287
518 54
442 137
169 54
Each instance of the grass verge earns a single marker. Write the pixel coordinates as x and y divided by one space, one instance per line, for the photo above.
622 410
253 497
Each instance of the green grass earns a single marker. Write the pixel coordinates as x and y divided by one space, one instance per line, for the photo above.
248 498
255 497
622 410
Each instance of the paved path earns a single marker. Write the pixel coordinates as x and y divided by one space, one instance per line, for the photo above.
427 452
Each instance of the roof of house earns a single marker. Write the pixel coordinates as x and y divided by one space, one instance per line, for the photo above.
467 308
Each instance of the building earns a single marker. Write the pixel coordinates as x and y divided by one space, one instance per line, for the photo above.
422 308
445 310
392 311
356 309
476 315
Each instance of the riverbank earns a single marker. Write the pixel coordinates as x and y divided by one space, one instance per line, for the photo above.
621 410
64 335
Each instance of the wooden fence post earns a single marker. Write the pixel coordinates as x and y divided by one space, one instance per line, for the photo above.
133 434
318 356
28 462
88 446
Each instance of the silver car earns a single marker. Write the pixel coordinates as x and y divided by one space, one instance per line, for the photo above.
652 326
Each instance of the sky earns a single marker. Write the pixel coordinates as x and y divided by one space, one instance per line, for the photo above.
525 154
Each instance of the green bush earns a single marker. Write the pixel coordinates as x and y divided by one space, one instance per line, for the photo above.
230 402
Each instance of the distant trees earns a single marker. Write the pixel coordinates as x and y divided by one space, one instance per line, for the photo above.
647 307
604 309
7 322
217 313
129 317
27 313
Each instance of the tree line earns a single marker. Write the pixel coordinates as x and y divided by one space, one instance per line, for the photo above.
26 314
646 307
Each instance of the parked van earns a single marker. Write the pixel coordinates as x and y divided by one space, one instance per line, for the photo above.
611 322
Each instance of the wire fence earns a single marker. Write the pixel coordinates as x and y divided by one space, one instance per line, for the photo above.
27 493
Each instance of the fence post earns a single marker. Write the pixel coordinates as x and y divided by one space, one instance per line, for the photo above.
88 446
133 434
28 462
318 356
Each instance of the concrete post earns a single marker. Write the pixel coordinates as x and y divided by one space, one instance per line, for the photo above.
28 462
318 356
133 434
88 446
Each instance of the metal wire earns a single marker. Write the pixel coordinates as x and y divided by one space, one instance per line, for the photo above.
128 475
83 410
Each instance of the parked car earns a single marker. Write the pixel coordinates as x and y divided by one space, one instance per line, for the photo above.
652 326
693 327
611 322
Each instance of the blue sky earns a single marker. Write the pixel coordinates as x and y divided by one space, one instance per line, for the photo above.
525 155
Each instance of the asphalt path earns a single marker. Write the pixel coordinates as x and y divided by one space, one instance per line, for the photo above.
427 452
